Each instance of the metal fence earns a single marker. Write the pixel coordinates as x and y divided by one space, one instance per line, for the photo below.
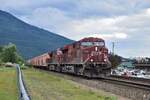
22 90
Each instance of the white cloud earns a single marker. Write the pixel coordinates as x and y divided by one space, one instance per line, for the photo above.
112 36
118 27
125 22
120 35
48 18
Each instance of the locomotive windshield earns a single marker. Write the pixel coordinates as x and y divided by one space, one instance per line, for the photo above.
99 43
93 43
87 43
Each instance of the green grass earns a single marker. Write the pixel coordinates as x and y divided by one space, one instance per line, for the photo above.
8 84
44 86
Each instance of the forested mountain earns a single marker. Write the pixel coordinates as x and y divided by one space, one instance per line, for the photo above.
30 40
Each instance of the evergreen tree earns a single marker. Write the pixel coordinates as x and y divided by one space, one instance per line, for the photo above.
115 60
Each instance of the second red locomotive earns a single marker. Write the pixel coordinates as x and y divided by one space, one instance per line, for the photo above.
87 57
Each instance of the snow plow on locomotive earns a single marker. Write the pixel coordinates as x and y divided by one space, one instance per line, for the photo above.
87 57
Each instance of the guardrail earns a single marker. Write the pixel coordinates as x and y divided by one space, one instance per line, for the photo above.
22 91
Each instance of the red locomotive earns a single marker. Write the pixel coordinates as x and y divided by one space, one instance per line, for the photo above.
87 57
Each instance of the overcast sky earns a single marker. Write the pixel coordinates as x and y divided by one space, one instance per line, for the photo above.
125 22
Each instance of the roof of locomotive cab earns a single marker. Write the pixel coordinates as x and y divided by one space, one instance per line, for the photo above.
90 39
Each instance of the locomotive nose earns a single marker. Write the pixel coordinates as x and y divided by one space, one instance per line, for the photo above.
93 54
96 51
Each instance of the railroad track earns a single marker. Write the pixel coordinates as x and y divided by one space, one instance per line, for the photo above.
135 79
134 89
121 80
138 82
126 82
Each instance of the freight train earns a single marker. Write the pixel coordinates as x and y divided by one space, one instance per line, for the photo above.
87 57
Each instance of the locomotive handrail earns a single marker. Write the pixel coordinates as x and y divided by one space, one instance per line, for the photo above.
87 59
22 91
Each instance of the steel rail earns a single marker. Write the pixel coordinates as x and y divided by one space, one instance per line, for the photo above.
134 79
136 84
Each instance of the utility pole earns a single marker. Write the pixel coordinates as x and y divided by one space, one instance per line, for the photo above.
113 47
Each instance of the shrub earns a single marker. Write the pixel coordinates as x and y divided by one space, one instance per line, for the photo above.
9 54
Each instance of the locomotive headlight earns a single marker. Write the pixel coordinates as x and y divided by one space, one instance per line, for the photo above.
91 60
105 58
